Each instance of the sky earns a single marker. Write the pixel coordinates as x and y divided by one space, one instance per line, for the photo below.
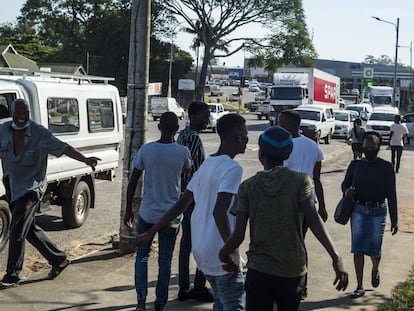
341 30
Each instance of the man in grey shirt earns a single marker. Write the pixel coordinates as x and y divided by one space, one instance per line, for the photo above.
24 148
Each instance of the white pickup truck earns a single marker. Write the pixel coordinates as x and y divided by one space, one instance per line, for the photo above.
85 112
216 112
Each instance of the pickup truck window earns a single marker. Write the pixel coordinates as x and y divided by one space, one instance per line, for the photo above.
100 115
63 115
5 101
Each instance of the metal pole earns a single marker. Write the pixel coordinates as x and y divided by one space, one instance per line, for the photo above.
136 123
411 71
394 84
171 61
87 63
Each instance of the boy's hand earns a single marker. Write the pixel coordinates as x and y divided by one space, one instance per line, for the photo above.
230 264
341 279
92 162
128 218
143 238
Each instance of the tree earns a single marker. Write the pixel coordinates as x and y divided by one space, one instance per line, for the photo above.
214 22
287 43
382 60
94 33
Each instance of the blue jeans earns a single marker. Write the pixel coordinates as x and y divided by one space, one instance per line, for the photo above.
228 292
166 242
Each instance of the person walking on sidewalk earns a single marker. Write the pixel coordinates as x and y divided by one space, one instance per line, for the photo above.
163 161
357 134
370 181
198 113
306 157
212 189
276 202
25 146
397 133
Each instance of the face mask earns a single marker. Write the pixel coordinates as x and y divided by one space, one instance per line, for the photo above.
371 154
19 128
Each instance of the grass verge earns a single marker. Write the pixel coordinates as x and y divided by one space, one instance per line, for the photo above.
402 296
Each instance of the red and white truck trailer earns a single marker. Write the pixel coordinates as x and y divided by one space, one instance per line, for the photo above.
293 87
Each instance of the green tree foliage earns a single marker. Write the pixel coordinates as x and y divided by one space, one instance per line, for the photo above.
214 23
94 33
382 60
287 43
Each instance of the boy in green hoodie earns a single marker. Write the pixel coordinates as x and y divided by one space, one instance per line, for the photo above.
276 201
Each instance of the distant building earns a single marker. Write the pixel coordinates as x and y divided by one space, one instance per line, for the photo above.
11 59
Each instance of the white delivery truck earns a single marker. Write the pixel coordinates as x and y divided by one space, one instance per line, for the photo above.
380 95
85 112
159 105
293 87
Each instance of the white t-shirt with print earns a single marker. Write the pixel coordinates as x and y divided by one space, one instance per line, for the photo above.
398 131
216 174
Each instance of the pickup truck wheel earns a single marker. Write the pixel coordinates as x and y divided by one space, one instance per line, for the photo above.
267 117
259 116
154 118
327 139
76 210
214 129
5 219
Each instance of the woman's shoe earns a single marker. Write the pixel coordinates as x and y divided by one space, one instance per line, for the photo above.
358 293
375 281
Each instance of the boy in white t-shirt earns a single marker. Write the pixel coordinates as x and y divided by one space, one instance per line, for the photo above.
306 157
397 133
212 188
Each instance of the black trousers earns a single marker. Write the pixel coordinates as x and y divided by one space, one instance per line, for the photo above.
264 290
396 151
184 256
22 227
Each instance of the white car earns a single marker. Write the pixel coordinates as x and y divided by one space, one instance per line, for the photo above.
343 123
380 121
408 121
234 97
254 88
364 110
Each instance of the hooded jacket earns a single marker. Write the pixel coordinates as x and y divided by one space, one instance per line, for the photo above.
272 199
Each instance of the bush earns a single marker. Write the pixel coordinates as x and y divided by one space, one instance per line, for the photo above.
402 296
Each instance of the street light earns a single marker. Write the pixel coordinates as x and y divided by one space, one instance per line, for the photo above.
397 26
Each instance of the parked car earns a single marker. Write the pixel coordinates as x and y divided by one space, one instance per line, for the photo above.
216 112
234 97
318 122
215 90
263 110
254 88
364 110
408 121
380 121
252 106
343 123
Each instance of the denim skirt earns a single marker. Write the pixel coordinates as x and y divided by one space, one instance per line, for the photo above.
367 229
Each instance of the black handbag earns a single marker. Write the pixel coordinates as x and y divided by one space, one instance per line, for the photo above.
343 210
345 206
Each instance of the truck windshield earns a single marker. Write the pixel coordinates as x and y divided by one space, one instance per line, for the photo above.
379 116
382 100
286 93
341 116
309 115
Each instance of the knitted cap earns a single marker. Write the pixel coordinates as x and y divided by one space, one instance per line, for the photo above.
276 142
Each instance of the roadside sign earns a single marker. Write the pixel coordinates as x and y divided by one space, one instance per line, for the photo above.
368 73
186 85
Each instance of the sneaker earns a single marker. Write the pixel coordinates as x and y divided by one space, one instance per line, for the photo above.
56 270
304 294
140 306
9 283
201 294
184 294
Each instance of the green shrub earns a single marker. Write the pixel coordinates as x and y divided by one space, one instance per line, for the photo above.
402 297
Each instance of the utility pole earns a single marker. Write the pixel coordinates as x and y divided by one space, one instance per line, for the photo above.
137 91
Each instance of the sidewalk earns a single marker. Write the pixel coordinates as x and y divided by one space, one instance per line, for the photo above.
103 281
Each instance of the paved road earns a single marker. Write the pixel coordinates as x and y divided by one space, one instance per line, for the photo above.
112 288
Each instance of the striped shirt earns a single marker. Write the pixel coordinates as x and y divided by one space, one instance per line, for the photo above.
190 138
